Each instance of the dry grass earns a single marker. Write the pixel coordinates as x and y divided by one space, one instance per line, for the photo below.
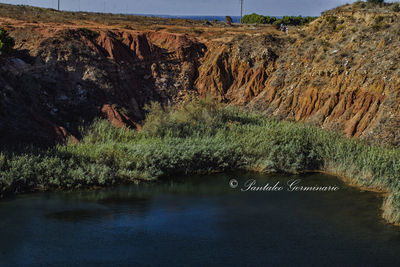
15 17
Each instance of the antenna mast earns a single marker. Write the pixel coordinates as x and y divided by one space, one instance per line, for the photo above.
241 10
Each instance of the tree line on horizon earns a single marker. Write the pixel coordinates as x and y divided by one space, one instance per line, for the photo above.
287 20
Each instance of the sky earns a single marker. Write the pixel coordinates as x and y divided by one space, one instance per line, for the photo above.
192 7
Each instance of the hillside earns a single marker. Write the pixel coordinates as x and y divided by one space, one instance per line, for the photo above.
340 72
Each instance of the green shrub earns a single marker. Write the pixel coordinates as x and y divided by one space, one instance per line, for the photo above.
379 19
6 42
338 28
396 7
379 23
331 19
200 116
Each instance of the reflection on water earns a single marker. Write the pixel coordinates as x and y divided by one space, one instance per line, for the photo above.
199 220
80 215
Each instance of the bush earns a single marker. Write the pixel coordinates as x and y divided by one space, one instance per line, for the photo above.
6 42
379 19
199 116
396 7
376 1
339 27
379 23
331 19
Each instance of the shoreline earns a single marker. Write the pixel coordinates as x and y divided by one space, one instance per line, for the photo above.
202 137
347 180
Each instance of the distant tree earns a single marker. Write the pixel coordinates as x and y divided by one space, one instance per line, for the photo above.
6 42
254 19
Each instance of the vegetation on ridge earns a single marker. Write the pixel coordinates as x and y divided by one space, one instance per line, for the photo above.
201 136
287 20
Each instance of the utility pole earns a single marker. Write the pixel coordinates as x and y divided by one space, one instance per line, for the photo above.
58 5
241 10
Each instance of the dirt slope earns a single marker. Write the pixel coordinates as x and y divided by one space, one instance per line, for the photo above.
341 72
77 75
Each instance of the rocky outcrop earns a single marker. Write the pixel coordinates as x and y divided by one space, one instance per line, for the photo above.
341 73
78 75
117 118
237 71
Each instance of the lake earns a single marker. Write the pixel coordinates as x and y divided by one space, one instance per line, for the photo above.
200 221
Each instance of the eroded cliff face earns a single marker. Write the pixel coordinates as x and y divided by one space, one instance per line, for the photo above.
237 71
341 72
77 75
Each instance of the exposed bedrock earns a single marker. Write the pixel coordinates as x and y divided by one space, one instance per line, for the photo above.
341 72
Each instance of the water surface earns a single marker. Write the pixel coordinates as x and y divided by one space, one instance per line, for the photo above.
199 221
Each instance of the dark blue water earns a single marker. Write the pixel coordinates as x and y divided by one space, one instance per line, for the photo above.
200 221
